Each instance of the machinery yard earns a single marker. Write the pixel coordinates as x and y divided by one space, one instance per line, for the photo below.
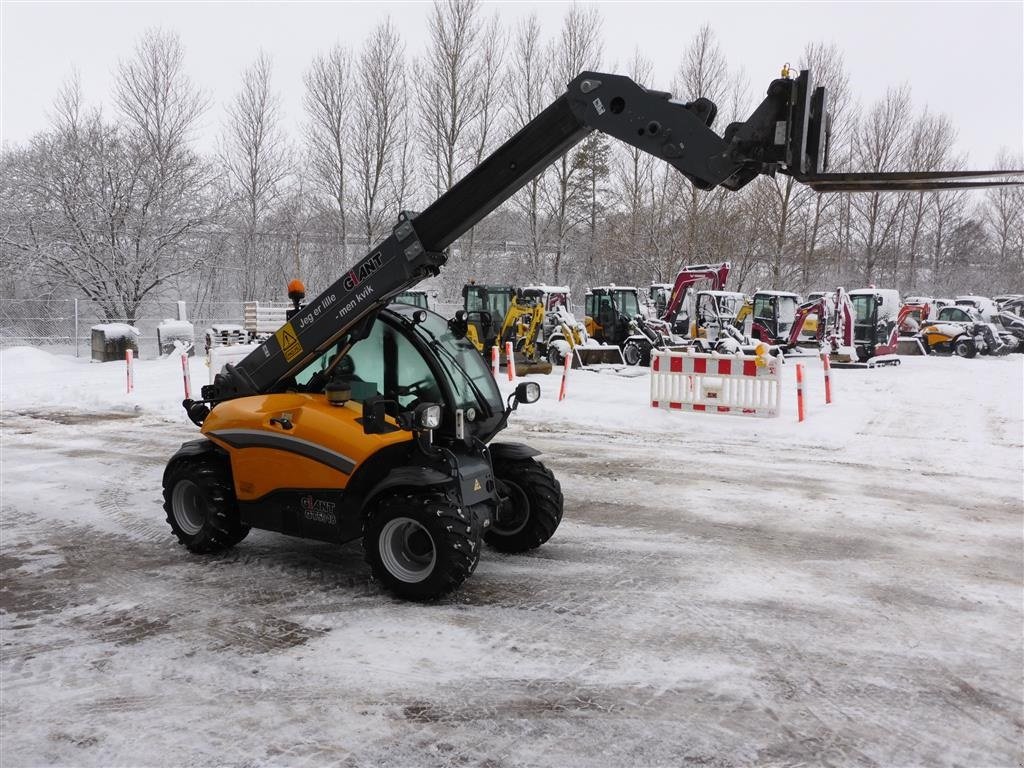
722 590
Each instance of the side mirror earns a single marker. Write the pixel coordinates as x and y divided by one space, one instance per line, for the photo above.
527 392
879 301
458 325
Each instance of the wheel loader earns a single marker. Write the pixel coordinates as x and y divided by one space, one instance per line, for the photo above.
360 418
564 337
613 317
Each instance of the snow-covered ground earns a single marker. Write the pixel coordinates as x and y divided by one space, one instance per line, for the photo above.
724 590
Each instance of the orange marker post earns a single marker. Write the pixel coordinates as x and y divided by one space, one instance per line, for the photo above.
565 375
186 376
129 358
495 355
510 361
799 392
828 380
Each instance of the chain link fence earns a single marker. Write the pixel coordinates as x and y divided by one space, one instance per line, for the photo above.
64 326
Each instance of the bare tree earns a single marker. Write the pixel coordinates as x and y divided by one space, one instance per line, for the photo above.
329 90
88 211
929 148
159 100
578 48
1004 217
378 145
703 73
451 78
879 144
527 76
257 160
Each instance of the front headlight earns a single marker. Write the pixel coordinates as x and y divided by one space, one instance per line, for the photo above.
528 392
428 416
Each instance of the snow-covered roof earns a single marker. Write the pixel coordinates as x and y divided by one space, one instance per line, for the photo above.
730 294
117 330
777 293
176 328
547 288
611 287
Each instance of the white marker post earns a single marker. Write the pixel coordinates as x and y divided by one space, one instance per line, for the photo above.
510 361
186 376
495 355
129 358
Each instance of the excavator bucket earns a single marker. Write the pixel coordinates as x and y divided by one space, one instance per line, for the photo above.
586 355
525 366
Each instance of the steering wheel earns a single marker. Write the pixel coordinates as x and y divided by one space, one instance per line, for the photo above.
416 388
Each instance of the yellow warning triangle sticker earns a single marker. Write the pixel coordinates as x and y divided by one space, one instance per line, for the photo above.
289 342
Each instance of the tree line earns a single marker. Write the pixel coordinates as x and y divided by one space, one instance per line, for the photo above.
121 209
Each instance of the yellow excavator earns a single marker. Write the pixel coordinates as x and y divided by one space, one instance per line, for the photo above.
496 314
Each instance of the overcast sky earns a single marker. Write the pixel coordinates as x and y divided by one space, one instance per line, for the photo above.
964 59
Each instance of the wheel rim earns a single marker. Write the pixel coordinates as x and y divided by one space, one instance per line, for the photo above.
513 509
407 550
188 507
632 354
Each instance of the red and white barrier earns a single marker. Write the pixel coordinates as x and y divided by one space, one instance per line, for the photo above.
739 384
129 360
510 361
186 376
495 355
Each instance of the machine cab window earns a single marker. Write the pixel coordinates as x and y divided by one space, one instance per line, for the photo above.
384 363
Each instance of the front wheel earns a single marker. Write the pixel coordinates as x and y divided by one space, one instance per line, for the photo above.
965 348
529 505
199 498
635 353
421 545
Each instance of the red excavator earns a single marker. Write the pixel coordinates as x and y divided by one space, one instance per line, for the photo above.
717 274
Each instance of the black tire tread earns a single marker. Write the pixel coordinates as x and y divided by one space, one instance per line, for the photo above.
546 503
459 534
225 529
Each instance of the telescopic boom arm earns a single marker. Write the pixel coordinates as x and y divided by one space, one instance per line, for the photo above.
787 133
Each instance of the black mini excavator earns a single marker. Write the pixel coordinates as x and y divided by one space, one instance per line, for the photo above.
363 418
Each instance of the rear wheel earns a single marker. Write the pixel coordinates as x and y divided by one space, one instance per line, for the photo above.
965 348
529 505
421 545
199 498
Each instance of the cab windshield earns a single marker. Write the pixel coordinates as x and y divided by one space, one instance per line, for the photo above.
627 303
470 379
389 363
863 308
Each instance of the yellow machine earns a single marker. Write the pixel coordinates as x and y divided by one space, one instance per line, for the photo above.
522 326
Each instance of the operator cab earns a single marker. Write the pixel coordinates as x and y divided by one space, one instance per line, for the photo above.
774 314
612 308
410 357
